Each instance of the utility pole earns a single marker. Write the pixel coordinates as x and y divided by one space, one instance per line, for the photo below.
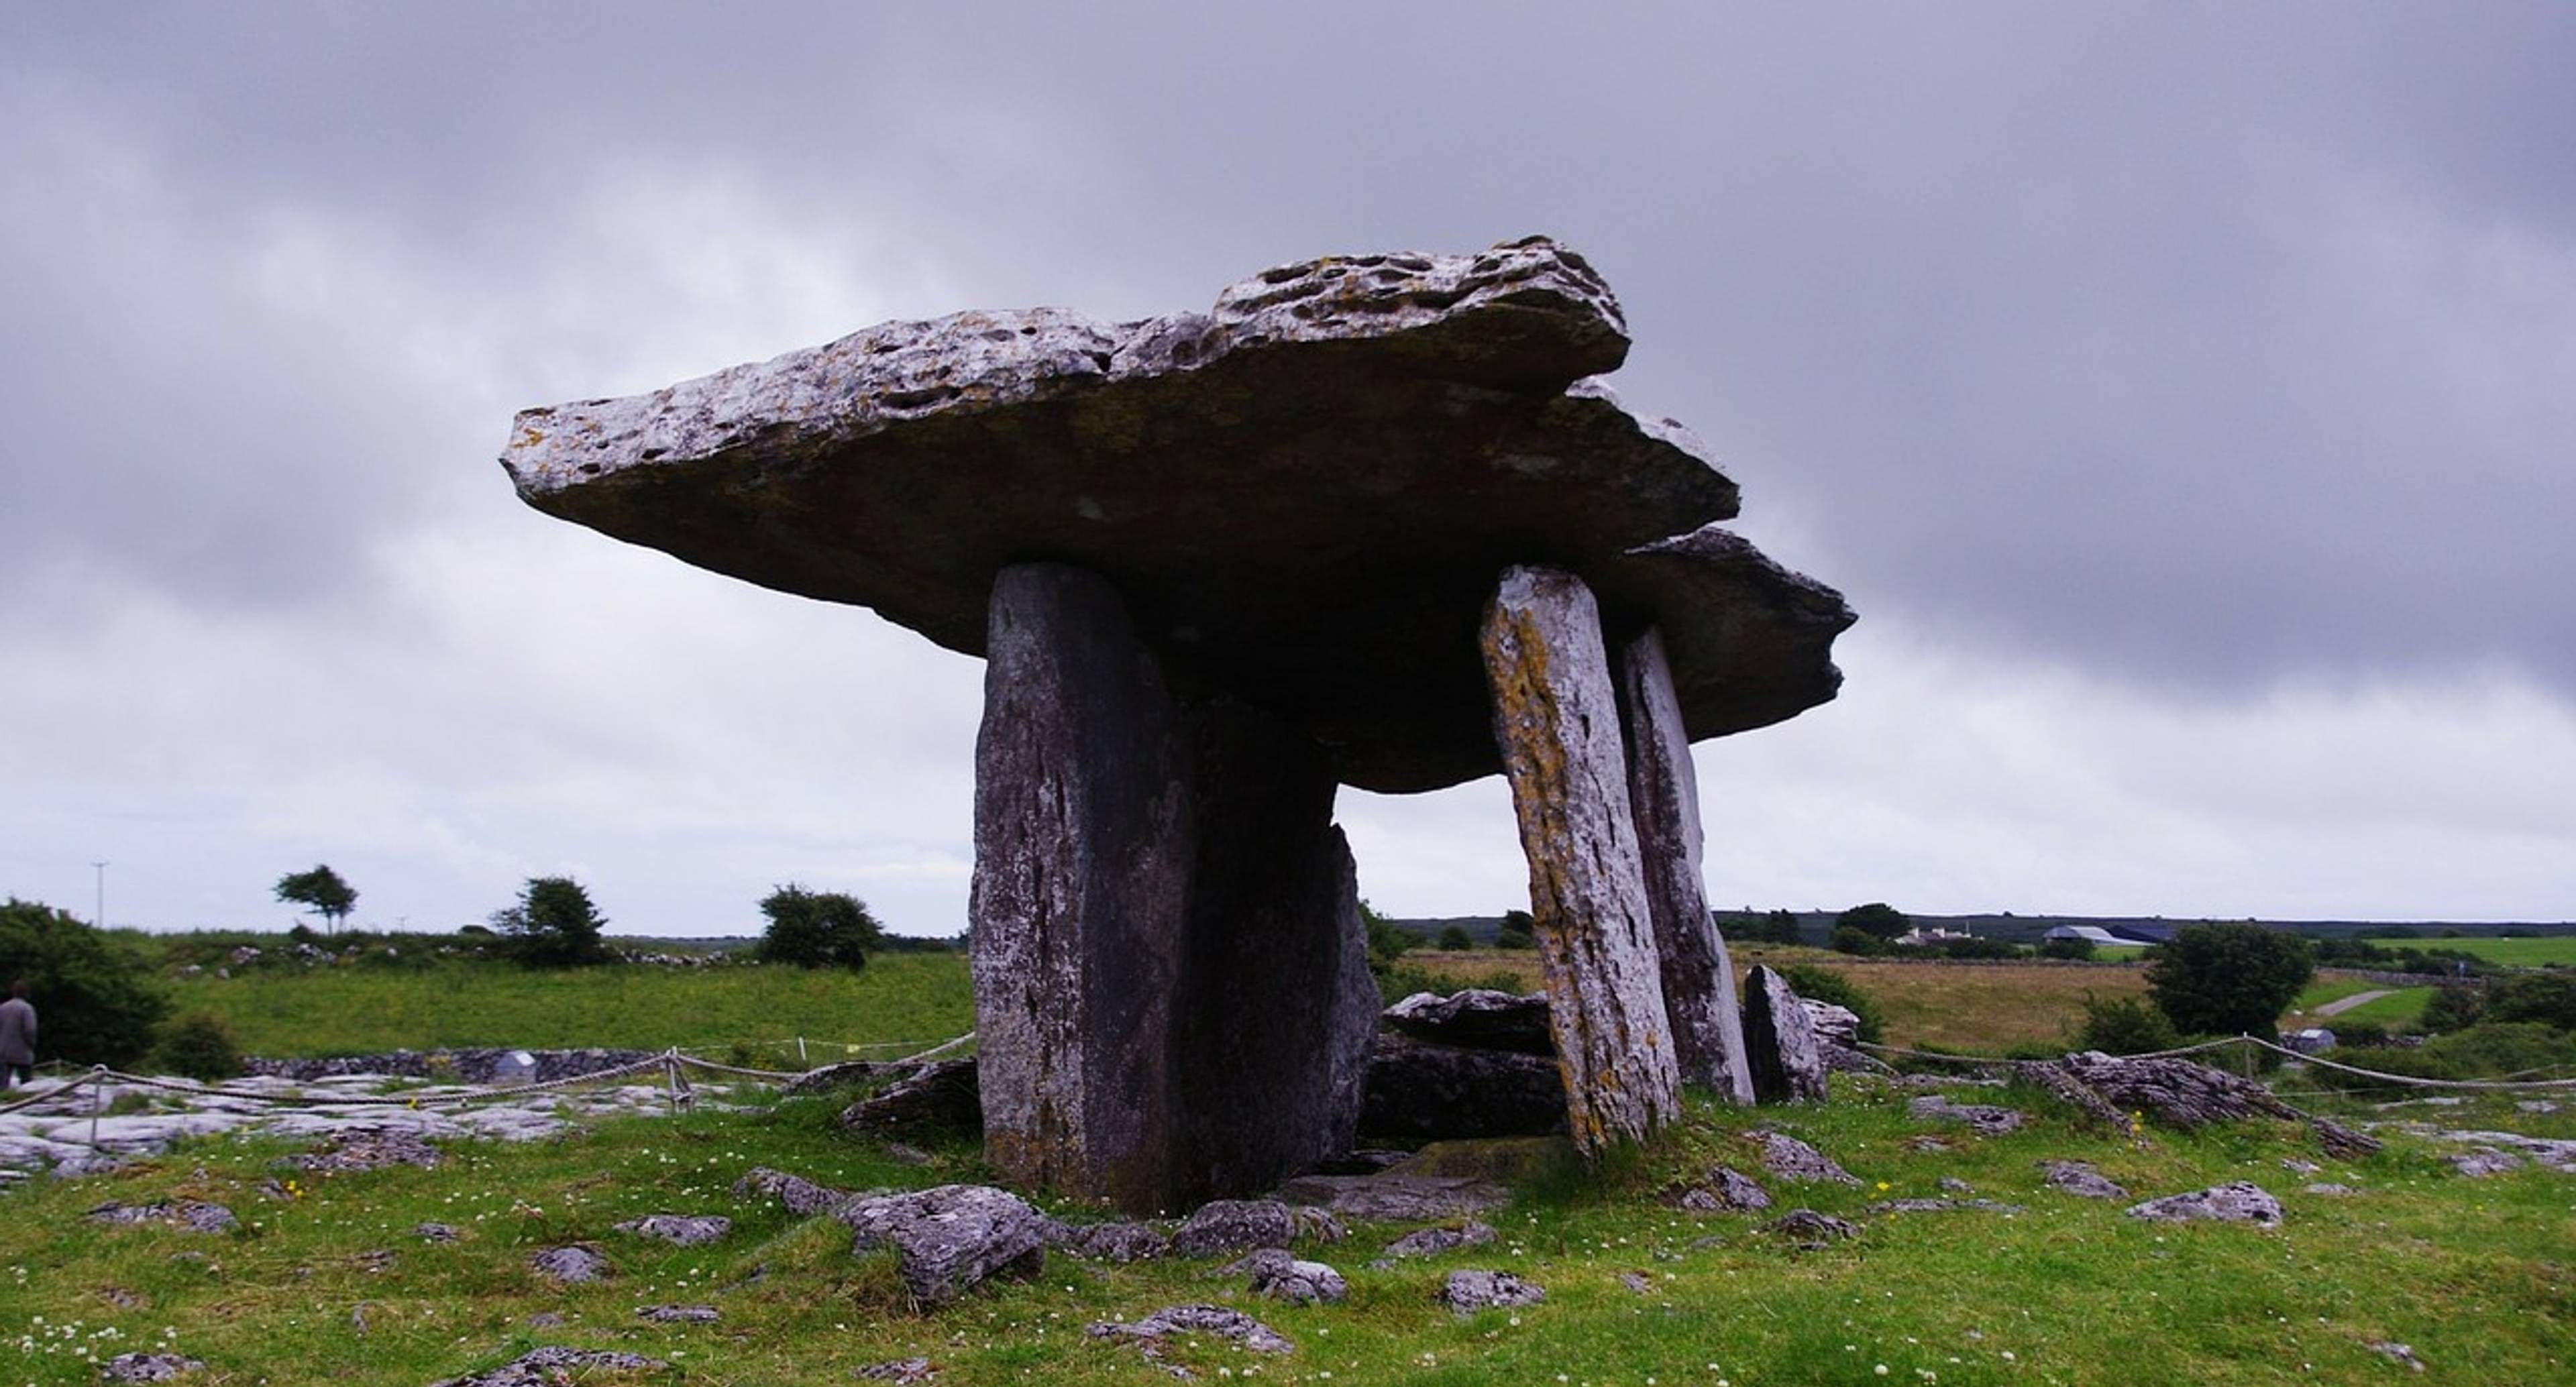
101 918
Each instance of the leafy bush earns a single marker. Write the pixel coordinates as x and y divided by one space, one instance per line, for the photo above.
197 1046
94 998
554 925
2494 1050
2360 1035
2223 979
1857 943
1824 985
817 929
2454 1009
1455 939
2548 998
2066 948
1387 940
1771 927
1877 918
2124 1026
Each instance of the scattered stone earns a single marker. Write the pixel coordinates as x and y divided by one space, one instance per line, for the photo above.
1235 1225
122 1298
2296 1166
1398 1196
2397 1352
93 1163
801 1196
1278 1274
194 1215
1942 1206
1780 1042
678 1314
148 1367
547 1319
375 1259
370 1148
951 1238
1638 1282
552 1365
1477 1019
1149 1333
1432 1242
2235 1202
1954 1185
2529 1105
1811 1229
2332 1191
1420 1091
2187 1095
904 1154
2478 1165
683 1230
572 1265
900 1370
1791 1159
1110 1242
1726 1190
358 1317
1466 1292
1925 1144
1317 1225
2080 1179
1983 1119
1834 1025
939 1097
2557 1153
434 1232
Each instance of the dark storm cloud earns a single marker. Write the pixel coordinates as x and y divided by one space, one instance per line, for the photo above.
2197 345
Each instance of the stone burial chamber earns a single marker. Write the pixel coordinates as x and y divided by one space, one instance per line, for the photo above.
1371 520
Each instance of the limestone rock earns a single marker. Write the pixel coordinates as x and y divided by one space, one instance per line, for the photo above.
900 1370
1399 1196
1943 1206
1663 794
1235 1225
1982 1118
370 1149
1835 1025
2480 1164
1812 1229
1556 718
194 1215
1255 478
2080 1179
571 1265
1725 1189
950 1239
1791 1159
2237 1201
1215 1321
544 1367
799 1195
678 1314
434 1232
2189 1095
1466 1292
937 1097
682 1230
148 1367
1432 1242
1476 1018
1425 1092
1780 1041
1111 1242
1280 1275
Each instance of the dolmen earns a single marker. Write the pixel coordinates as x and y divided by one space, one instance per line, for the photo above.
1371 520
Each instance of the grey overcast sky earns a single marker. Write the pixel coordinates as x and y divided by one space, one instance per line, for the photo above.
2184 394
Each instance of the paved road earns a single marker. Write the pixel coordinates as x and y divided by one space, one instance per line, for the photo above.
2344 1004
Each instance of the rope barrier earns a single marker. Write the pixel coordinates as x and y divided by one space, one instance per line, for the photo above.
2409 1080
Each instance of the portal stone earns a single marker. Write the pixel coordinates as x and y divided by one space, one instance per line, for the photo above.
1780 1042
1663 790
1171 978
1556 719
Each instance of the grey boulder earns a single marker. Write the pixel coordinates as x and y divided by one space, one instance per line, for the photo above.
949 1239
683 1230
1281 1275
2237 1201
1477 1019
1466 1292
1235 1225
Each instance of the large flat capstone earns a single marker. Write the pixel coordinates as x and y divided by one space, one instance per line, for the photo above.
1303 495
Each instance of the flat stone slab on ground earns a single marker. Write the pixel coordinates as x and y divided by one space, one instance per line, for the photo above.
2080 1179
552 1365
1985 1119
1282 1275
1431 1242
148 1367
900 1371
1215 1321
194 1215
678 1314
572 1265
684 1230
2237 1201
797 1194
1111 1242
1466 1292
1478 1019
1791 1159
1234 1225
1812 1229
1394 1196
952 1238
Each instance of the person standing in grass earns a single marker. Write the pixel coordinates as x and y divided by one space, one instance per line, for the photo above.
17 1037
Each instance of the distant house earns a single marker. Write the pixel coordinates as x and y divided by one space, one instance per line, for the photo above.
2143 933
2090 934
1918 936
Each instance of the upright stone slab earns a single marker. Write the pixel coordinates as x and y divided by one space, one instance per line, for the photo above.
1082 858
1663 792
1171 976
1780 1042
1556 721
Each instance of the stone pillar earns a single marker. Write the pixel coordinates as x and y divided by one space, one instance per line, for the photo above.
1556 719
1663 791
1780 1042
1082 848
1171 979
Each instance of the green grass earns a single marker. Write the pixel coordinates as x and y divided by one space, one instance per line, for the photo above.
2403 1007
2473 1274
2318 993
2520 953
284 1010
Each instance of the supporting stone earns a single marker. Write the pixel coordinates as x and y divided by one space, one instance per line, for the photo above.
1171 978
1780 1042
1663 793
1556 721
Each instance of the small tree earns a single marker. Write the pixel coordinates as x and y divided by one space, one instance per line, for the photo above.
2223 979
2078 949
321 889
1387 940
554 925
198 1046
2124 1026
1455 939
1777 927
1877 919
1519 931
1859 943
817 929
93 996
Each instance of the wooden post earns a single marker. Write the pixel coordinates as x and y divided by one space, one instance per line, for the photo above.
1556 720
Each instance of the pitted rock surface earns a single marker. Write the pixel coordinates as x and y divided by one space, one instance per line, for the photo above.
1432 1242
1254 480
1421 1091
1235 1225
434 1232
1111 1242
370 1149
683 1230
1943 1206
148 1367
949 1239
1213 1320
1281 1275
2189 1095
2080 1179
678 1314
1725 1190
1780 1043
551 1365
1982 1118
942 1096
1476 1018
2237 1201
2477 1165
900 1370
799 1195
1812 1229
1466 1292
572 1265
1791 1159
1398 1196
194 1215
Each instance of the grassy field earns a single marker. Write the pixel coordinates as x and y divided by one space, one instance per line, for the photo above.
326 1010
325 1282
2520 953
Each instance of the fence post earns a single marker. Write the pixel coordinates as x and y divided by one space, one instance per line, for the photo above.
2245 1051
97 1086
800 1049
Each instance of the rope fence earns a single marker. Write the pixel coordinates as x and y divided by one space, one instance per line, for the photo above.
2252 1043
